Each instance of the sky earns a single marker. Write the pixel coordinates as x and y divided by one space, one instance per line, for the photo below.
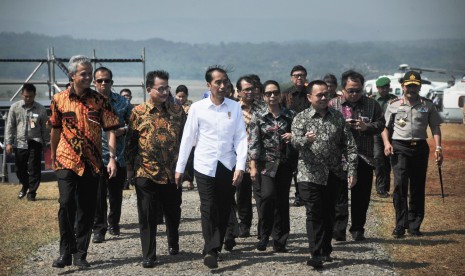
210 21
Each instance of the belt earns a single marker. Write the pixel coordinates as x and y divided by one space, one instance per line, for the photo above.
411 142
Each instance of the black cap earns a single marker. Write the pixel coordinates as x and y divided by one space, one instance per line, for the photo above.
412 77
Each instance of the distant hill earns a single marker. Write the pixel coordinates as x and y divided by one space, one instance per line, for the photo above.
271 60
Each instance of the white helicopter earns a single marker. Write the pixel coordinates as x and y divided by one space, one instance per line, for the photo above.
427 86
450 102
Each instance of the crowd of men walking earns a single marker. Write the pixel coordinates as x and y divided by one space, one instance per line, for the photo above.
239 147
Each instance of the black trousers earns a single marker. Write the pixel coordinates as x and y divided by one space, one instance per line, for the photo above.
409 164
78 195
244 202
113 188
28 167
383 166
149 194
274 206
360 196
319 202
216 196
341 219
256 190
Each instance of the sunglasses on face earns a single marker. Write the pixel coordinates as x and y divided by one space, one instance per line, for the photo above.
269 93
103 80
354 91
298 76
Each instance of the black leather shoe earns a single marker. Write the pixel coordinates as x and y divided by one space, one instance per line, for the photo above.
98 238
62 261
229 244
315 262
278 247
415 233
81 263
21 194
211 260
173 249
114 230
398 233
326 258
245 233
298 203
262 244
358 236
383 195
148 263
31 198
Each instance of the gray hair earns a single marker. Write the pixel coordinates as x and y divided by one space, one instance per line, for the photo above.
74 61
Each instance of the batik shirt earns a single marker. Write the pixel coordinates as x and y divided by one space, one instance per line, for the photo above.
370 112
153 139
247 113
81 120
266 146
333 139
186 106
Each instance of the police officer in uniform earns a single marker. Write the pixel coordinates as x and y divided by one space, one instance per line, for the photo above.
407 118
382 162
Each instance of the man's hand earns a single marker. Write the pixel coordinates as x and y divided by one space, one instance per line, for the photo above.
388 149
360 125
253 174
9 149
311 137
178 179
438 156
111 168
351 181
237 177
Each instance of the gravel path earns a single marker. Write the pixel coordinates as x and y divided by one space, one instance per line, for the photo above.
122 255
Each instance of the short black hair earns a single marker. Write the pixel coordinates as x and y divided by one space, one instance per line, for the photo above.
247 79
211 69
352 75
257 82
150 79
125 90
103 68
28 87
313 83
268 82
298 68
182 88
330 78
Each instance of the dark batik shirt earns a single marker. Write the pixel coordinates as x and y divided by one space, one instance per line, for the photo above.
370 111
81 120
153 139
266 146
333 139
247 114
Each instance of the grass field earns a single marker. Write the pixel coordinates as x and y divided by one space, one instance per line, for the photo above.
25 226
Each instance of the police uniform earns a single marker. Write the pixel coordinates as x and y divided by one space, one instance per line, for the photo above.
410 159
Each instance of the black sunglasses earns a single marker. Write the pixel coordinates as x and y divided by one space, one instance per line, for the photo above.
103 80
268 93
351 91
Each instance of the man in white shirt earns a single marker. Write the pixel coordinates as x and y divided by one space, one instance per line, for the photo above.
216 126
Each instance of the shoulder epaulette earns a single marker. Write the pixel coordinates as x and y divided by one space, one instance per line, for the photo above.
394 100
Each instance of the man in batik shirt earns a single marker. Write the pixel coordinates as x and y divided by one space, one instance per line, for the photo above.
152 147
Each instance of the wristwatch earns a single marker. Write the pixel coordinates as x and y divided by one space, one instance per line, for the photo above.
113 157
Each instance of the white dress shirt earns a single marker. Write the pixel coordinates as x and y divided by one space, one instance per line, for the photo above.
218 131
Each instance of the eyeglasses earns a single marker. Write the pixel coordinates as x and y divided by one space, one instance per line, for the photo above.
298 76
103 80
268 93
162 89
352 91
248 90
